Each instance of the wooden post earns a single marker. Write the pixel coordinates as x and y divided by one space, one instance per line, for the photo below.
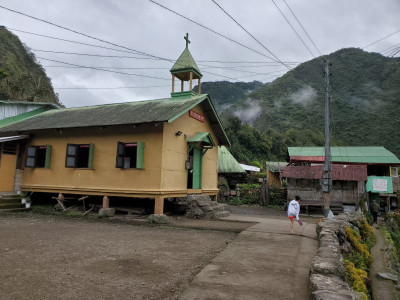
106 202
191 78
61 197
199 85
173 82
181 85
159 205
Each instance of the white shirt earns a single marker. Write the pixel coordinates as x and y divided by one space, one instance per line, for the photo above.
293 209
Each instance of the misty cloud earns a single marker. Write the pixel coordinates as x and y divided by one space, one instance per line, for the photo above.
304 95
251 113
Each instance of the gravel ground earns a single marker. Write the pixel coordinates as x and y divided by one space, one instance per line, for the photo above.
48 257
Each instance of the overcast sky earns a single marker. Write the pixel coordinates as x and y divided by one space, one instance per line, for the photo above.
146 27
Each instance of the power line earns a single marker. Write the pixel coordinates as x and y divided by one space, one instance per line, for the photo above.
100 69
293 28
381 39
389 49
76 32
110 88
302 27
250 34
96 55
74 42
211 30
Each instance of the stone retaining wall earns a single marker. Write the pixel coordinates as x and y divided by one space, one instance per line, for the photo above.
327 274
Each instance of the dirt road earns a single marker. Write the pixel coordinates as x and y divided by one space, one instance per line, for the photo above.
44 257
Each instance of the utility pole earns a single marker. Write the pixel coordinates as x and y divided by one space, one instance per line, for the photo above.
326 177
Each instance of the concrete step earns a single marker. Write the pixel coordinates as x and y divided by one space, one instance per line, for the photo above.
14 209
10 205
10 200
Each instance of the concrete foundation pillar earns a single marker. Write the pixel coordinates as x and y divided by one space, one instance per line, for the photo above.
159 205
106 202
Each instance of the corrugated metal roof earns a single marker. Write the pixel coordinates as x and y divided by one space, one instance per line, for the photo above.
160 110
22 116
276 166
184 63
367 154
250 168
339 172
227 163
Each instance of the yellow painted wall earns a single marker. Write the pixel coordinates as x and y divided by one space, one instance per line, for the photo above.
8 164
105 178
174 174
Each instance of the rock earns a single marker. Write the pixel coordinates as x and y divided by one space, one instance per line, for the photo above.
106 212
159 219
201 207
335 295
328 266
327 283
388 276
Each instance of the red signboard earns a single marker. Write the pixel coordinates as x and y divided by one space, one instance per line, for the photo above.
196 115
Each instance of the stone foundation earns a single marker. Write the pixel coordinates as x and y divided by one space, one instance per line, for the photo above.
327 274
201 207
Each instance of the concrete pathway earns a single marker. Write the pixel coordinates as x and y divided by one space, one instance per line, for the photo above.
381 289
265 261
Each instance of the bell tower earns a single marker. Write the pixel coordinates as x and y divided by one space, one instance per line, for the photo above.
185 69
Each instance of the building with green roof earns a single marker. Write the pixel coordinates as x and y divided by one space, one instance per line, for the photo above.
155 149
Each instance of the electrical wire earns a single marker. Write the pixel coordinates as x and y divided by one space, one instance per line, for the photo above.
100 69
381 39
211 30
262 45
298 21
110 88
293 28
77 32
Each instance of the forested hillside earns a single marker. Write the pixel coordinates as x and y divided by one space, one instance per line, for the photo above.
225 93
21 77
365 96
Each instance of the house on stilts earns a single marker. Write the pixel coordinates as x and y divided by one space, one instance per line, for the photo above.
153 149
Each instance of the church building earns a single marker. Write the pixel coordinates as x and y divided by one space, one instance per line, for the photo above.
156 149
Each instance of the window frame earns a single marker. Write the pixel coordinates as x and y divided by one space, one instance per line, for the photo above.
75 156
120 155
35 156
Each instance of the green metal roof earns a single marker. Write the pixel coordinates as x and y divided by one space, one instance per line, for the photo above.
366 154
20 117
161 110
186 63
227 163
202 137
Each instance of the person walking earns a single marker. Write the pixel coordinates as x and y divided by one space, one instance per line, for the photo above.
293 211
375 210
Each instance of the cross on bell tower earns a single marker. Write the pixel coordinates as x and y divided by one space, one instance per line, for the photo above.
187 40
185 69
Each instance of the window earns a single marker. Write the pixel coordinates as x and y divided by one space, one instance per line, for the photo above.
130 155
394 172
79 156
38 156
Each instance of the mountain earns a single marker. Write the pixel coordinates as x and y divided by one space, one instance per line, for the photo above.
22 78
364 109
225 93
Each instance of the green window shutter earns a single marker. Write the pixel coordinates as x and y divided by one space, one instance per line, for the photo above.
31 157
91 156
120 155
48 156
140 155
71 156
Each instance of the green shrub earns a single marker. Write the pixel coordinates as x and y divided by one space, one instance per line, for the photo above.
249 193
